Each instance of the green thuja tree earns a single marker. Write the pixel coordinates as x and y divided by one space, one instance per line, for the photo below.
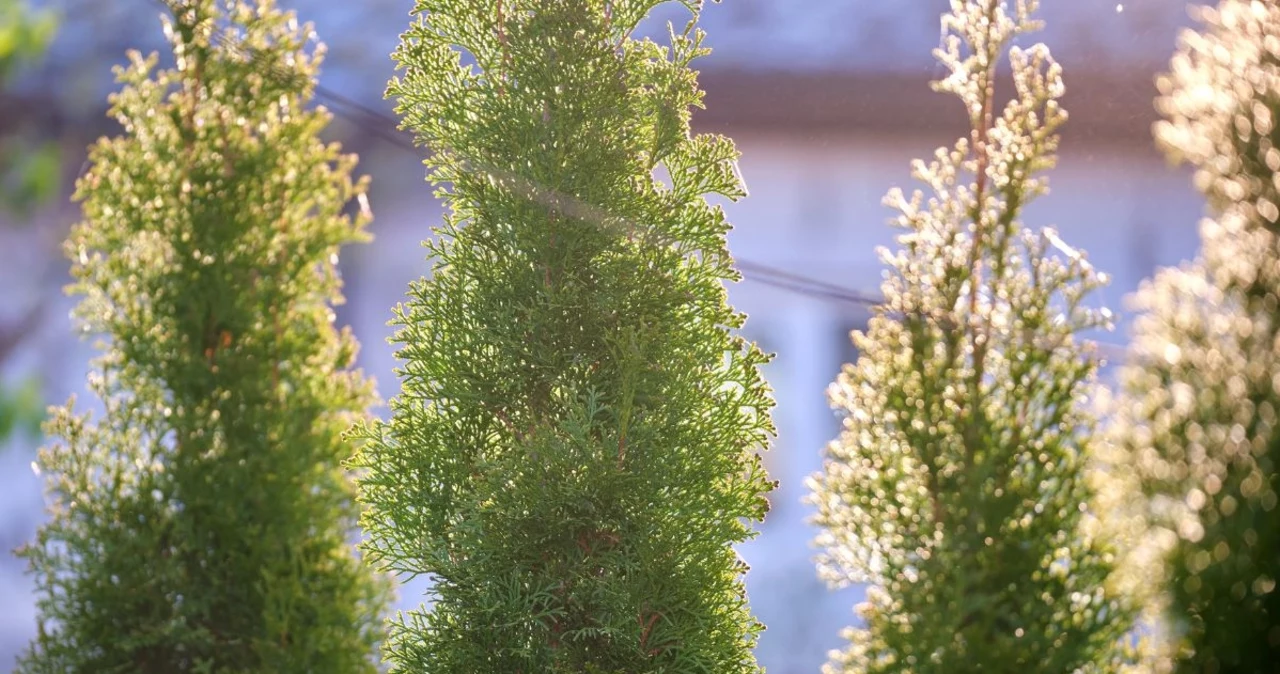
1197 425
957 489
573 453
203 524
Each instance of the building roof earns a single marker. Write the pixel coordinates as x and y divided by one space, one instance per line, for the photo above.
799 36
899 35
779 65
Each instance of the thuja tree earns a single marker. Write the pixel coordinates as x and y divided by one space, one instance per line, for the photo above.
202 525
957 489
572 454
1198 423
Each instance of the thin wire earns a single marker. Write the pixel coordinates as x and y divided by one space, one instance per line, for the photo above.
351 103
818 288
381 125
752 271
387 128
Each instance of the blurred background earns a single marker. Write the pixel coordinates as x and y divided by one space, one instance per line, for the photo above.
828 100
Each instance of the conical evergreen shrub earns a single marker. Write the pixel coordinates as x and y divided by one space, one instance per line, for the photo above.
957 489
1197 428
572 454
203 524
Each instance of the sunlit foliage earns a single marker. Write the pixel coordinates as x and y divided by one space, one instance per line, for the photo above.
573 452
957 487
29 170
203 524
29 173
1197 421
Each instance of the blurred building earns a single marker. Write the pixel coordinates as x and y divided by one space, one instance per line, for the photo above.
828 101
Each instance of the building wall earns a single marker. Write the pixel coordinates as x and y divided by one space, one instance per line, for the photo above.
814 209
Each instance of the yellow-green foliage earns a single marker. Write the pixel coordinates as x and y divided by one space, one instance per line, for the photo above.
573 452
1197 433
203 524
957 488
28 171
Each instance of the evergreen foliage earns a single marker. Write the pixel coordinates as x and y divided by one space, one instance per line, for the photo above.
957 489
1197 433
28 176
28 170
573 453
203 524
20 409
24 35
